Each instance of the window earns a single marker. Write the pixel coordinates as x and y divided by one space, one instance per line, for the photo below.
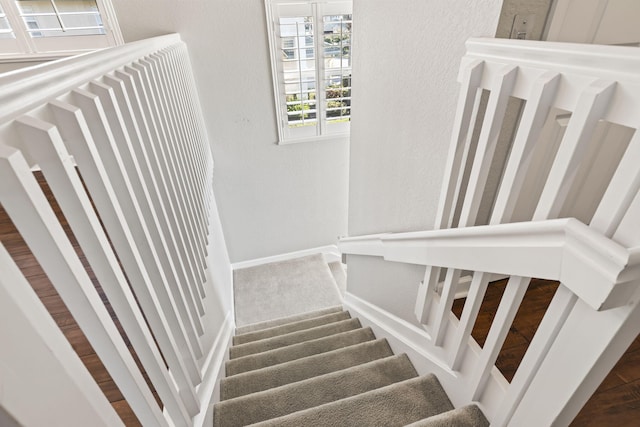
42 29
311 62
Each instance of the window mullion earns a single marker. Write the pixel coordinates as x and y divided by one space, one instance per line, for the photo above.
314 88
89 34
57 12
321 93
17 25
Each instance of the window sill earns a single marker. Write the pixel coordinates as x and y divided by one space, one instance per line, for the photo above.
339 137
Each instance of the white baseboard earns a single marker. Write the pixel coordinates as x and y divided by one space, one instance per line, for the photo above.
405 337
212 369
330 252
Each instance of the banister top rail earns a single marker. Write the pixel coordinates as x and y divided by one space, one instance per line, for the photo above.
616 60
579 64
22 90
595 268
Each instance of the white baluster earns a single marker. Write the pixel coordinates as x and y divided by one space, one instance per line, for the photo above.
38 358
104 140
32 215
134 80
454 169
543 92
590 108
155 301
624 185
168 163
502 87
45 145
138 145
130 168
178 167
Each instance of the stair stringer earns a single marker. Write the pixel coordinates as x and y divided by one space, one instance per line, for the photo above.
417 343
214 371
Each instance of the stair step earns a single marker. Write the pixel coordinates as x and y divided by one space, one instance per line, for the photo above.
467 416
302 369
312 392
297 351
394 405
290 327
281 321
293 338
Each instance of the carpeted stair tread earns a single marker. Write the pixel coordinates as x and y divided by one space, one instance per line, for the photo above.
313 392
304 368
293 338
283 320
467 416
398 404
297 351
290 327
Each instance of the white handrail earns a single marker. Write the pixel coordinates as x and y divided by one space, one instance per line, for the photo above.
595 268
25 88
584 58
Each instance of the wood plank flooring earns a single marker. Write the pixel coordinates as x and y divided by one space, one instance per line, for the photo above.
616 402
39 281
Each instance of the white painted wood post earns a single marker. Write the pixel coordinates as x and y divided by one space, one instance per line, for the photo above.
30 211
130 167
155 301
125 123
590 343
43 380
151 106
175 251
454 169
45 145
149 134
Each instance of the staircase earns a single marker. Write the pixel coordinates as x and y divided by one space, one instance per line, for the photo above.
122 144
324 368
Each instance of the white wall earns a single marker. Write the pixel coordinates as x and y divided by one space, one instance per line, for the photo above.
406 58
595 21
272 199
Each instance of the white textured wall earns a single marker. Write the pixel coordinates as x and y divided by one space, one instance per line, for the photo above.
272 199
406 58
595 21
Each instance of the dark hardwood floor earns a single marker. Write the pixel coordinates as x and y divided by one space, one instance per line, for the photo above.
616 402
39 281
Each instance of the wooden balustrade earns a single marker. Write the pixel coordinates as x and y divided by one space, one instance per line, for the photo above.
119 137
598 90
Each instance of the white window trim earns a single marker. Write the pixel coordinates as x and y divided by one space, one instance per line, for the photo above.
343 131
24 49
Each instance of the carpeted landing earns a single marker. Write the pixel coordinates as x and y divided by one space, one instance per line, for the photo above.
323 369
286 288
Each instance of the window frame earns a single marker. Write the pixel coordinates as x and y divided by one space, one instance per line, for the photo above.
24 48
318 9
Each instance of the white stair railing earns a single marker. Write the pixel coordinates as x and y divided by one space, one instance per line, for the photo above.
597 260
119 137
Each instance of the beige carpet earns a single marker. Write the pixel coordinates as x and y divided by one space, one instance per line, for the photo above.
283 289
309 372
